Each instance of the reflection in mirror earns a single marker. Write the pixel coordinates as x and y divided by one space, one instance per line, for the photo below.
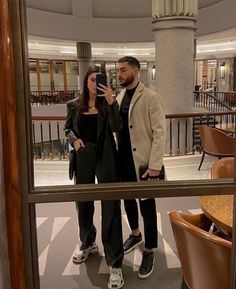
188 149
54 80
58 240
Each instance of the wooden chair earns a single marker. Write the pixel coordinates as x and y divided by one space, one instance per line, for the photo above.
223 168
215 143
204 257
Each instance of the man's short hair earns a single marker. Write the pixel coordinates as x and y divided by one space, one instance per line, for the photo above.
132 61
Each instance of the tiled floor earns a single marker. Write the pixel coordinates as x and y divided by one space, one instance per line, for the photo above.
58 234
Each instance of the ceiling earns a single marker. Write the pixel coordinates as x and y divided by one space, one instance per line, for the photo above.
207 3
212 45
106 8
117 21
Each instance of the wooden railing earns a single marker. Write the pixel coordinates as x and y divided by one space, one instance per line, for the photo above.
211 100
215 100
185 131
52 96
49 139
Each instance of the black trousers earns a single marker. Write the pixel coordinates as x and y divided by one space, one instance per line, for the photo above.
111 213
147 206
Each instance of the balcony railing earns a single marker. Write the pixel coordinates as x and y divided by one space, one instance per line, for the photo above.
49 140
52 96
215 100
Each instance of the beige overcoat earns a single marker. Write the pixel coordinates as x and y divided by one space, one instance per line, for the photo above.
147 127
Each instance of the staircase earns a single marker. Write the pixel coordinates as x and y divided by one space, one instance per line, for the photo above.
207 120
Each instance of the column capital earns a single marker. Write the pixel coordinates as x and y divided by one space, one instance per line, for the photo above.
174 9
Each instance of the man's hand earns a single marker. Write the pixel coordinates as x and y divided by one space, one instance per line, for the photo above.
78 144
152 175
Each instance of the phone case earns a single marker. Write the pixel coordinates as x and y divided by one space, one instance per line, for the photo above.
102 79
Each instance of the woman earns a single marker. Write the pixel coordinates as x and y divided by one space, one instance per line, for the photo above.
89 127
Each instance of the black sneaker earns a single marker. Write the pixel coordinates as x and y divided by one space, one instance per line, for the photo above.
132 242
147 265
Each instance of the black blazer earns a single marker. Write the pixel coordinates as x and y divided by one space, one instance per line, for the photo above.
109 122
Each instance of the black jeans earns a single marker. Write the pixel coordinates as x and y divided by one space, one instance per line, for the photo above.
111 213
147 206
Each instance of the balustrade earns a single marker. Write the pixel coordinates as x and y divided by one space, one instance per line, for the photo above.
49 139
52 96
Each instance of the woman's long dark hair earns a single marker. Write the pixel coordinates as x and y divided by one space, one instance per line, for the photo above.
84 97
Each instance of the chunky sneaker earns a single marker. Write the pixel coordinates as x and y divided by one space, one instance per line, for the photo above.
82 254
132 242
116 278
147 265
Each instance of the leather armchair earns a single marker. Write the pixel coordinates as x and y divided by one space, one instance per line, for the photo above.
204 257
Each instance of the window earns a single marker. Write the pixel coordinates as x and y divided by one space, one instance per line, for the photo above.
58 67
44 66
71 67
32 66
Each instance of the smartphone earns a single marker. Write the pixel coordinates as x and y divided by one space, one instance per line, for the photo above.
102 79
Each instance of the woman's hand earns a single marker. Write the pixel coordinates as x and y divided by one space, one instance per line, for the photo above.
77 144
107 92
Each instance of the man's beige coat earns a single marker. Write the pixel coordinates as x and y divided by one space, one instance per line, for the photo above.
147 127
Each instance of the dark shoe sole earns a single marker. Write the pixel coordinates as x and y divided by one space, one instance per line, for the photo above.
133 247
149 273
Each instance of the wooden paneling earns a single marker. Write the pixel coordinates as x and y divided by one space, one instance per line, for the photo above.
234 73
51 75
38 74
205 74
64 75
10 149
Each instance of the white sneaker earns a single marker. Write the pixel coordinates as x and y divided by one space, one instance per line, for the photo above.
81 255
116 280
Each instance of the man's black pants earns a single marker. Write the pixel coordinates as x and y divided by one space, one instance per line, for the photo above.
147 206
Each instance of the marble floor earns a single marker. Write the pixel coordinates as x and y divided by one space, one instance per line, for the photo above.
58 233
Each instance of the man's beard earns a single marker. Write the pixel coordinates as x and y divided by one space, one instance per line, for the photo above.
128 81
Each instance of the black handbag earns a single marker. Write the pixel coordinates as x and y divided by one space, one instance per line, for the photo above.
143 168
72 163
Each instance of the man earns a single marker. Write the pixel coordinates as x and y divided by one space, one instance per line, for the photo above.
141 142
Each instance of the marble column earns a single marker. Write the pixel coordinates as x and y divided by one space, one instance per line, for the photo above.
84 56
4 264
174 26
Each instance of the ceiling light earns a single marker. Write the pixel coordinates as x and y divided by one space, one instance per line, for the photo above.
67 52
131 54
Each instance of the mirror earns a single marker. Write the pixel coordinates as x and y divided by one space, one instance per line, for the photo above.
54 81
